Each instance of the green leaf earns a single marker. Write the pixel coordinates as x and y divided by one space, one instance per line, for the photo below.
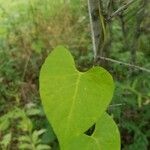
4 123
6 140
36 134
105 137
25 138
26 124
33 112
25 146
73 101
43 147
107 133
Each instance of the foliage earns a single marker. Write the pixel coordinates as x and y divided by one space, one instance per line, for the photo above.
28 137
30 29
33 141
80 99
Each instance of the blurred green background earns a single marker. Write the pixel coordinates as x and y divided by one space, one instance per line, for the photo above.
30 29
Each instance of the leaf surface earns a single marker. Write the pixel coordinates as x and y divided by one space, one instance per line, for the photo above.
73 101
105 137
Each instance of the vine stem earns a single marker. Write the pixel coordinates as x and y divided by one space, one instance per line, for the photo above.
125 64
121 9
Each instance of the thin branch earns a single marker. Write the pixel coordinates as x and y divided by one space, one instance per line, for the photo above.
116 105
92 29
121 9
125 64
95 23
26 67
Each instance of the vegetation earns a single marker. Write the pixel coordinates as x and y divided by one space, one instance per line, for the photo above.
30 29
78 98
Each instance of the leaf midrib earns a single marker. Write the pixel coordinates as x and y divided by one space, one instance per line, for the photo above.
73 102
97 142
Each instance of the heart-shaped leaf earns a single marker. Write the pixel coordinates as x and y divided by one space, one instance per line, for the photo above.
73 101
